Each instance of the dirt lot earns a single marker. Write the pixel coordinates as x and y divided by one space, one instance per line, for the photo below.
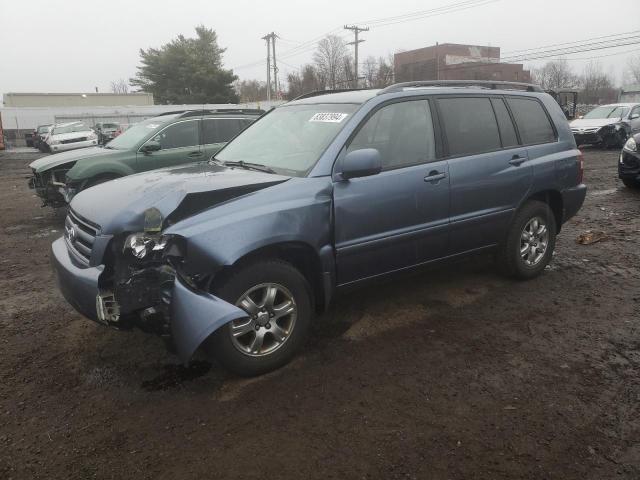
450 374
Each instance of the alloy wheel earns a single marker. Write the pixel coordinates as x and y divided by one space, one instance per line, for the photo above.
272 314
534 241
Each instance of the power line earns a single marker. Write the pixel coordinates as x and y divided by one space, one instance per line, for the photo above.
571 43
419 15
309 45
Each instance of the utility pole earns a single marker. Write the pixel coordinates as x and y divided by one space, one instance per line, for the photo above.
275 65
267 38
437 63
356 30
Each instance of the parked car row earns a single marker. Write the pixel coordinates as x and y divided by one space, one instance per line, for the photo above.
608 126
235 255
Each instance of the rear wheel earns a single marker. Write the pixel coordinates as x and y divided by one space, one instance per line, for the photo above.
276 298
530 242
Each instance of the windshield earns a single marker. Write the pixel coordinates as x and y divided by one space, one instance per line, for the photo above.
75 127
134 135
44 129
607 111
290 139
109 125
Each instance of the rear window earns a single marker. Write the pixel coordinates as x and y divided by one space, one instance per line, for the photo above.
532 121
470 125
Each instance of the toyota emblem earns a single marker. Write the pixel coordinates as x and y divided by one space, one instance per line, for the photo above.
71 234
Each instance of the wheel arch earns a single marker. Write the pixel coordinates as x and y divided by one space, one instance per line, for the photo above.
299 254
553 198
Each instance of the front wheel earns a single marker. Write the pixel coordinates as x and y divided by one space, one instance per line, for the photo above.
530 241
276 298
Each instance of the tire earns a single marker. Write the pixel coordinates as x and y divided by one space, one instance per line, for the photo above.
631 183
239 354
510 256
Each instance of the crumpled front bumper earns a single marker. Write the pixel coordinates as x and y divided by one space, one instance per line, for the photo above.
194 315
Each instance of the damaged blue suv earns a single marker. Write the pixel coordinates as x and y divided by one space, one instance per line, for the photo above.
328 191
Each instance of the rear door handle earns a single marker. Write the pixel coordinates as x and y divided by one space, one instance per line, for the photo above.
195 154
434 176
517 160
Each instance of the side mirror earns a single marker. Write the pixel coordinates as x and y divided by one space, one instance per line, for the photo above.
150 146
361 163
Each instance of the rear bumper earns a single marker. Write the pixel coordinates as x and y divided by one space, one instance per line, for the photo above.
572 200
79 286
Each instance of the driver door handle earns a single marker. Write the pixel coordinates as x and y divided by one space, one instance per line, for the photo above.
195 154
434 176
517 160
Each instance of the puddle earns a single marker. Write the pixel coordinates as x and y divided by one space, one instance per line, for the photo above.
175 375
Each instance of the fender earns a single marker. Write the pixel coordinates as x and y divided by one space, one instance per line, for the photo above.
298 211
83 171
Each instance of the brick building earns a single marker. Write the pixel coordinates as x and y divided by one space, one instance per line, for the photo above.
451 61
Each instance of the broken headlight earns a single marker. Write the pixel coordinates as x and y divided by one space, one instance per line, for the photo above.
141 245
631 145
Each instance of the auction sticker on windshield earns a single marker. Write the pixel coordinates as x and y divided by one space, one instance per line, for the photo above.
330 117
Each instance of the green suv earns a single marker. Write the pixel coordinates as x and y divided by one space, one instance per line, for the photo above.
173 138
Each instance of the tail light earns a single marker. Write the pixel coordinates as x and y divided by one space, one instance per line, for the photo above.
580 168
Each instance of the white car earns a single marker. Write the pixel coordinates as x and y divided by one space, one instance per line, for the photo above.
607 125
69 136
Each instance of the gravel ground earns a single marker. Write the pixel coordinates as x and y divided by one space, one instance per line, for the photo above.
449 374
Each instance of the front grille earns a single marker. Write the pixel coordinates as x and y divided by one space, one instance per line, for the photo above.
584 131
79 235
74 140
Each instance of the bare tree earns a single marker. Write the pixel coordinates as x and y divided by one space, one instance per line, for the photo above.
251 90
120 86
632 72
597 86
329 59
555 74
305 81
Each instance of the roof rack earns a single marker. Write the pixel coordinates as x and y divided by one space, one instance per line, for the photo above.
196 113
317 93
398 87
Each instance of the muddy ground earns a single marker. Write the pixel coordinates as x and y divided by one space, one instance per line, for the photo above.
450 374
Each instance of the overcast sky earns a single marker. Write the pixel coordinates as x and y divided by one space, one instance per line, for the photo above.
74 46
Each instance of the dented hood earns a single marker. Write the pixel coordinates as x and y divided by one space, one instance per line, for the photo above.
119 205
592 122
50 161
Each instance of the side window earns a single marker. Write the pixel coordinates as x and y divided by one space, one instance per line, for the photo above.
533 123
402 132
182 134
470 125
507 130
635 111
221 129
